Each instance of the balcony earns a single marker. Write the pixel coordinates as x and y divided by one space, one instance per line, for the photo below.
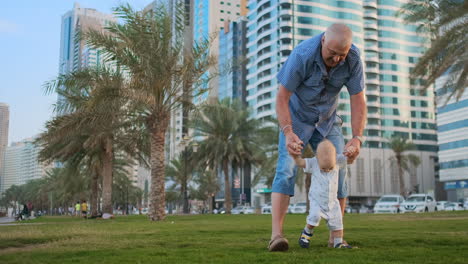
370 13
371 47
370 3
371 35
372 70
370 25
372 59
373 81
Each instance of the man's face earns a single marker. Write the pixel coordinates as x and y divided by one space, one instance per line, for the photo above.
333 52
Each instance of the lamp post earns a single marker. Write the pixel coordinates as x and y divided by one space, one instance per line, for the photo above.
186 142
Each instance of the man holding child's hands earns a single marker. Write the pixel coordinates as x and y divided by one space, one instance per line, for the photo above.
309 85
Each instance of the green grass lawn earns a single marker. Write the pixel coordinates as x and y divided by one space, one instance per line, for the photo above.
411 238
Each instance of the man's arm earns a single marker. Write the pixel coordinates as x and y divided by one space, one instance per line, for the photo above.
358 122
293 143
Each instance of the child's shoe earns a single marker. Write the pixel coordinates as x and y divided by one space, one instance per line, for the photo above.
343 245
304 240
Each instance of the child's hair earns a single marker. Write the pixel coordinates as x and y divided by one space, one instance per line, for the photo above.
326 153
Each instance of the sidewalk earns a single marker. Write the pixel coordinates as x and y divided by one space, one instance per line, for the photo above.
4 220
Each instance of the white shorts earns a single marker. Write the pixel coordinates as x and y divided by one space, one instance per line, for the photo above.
332 216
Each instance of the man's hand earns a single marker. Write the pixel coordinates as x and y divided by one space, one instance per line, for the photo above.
293 143
352 150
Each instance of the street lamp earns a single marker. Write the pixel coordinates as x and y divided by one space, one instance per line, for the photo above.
186 142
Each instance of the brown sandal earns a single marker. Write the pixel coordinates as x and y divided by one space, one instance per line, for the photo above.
279 243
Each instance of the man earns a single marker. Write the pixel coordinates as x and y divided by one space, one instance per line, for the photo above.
310 82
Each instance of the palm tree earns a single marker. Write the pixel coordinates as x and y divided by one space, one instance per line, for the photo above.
446 24
179 172
208 186
229 137
149 46
403 161
92 120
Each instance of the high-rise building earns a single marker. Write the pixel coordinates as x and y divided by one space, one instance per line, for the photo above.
232 63
21 163
76 54
452 126
389 50
209 17
4 124
232 60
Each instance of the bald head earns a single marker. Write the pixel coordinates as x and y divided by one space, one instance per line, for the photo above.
336 43
326 155
340 33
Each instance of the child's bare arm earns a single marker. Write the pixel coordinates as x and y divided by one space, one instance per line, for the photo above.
300 162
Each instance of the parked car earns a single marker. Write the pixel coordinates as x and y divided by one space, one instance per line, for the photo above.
144 210
418 203
243 209
465 204
249 210
299 208
453 207
364 210
440 206
388 204
352 209
266 209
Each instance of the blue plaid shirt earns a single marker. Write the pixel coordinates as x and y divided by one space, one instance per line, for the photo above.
315 91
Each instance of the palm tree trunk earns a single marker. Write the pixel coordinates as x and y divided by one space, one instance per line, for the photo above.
157 192
400 176
227 188
94 194
107 177
184 186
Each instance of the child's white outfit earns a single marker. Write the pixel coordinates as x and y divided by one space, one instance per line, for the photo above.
323 194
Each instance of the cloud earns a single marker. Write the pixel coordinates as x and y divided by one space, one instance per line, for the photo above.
8 27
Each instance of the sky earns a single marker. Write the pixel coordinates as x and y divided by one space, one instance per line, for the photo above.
29 56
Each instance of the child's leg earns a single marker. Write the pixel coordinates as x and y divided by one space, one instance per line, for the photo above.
337 237
313 220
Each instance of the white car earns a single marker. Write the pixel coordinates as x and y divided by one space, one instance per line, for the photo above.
249 210
418 203
389 204
453 207
266 209
465 204
243 209
299 208
441 205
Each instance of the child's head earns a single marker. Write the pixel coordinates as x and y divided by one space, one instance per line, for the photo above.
326 155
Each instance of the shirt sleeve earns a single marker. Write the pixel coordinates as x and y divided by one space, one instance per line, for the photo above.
341 160
309 165
355 83
293 72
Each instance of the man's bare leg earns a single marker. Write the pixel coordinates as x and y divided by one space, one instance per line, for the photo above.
279 208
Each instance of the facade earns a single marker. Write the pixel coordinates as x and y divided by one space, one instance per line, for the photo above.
4 125
388 51
208 20
232 60
452 126
232 64
75 54
21 163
